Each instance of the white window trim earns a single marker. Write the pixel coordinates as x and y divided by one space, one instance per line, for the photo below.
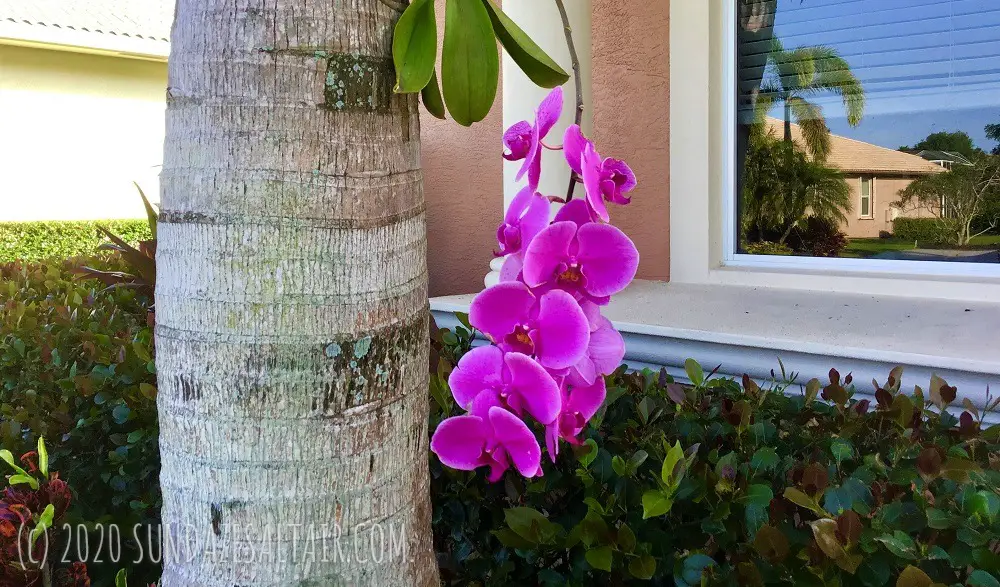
871 197
702 211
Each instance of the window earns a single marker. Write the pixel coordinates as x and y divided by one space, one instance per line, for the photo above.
867 189
854 121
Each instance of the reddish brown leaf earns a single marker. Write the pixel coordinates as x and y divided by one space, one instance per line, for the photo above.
849 527
929 462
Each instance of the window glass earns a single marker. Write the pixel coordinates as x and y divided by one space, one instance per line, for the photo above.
866 196
839 98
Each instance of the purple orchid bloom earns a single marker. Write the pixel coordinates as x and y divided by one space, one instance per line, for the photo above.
496 440
527 215
579 406
594 260
487 377
517 140
576 211
604 179
524 140
552 327
604 354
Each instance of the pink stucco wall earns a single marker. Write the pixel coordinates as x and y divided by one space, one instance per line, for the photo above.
463 177
632 118
463 186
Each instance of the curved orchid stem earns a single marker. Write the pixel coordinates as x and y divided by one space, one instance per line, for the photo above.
395 5
577 80
551 148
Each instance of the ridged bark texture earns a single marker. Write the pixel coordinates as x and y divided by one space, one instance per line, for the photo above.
291 302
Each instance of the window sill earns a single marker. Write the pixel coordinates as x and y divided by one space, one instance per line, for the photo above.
747 329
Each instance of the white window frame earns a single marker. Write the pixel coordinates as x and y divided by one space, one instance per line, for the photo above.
702 186
871 197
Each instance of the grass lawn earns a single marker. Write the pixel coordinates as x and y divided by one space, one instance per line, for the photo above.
868 247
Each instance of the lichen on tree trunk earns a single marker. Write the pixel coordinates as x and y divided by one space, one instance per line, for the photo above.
291 301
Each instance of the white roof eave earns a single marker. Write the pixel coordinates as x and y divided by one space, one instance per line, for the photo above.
66 39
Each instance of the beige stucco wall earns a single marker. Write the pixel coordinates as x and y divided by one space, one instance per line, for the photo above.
463 168
886 192
75 131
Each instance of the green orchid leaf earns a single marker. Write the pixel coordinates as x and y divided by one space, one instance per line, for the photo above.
533 61
414 47
470 65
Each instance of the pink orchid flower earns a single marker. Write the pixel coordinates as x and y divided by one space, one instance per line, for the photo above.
604 179
552 327
487 377
524 140
604 353
494 440
527 215
576 211
594 260
580 403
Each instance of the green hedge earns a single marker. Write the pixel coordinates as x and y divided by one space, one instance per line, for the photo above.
76 367
43 240
734 483
921 230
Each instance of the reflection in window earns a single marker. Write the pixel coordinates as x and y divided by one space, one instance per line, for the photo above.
869 128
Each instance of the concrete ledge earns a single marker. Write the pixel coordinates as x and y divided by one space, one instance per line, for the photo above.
746 330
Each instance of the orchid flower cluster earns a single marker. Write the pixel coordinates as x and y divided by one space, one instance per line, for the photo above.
551 347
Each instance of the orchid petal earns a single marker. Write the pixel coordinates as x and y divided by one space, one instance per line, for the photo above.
526 216
498 465
460 442
518 206
591 163
480 369
497 310
576 211
535 171
534 219
517 139
587 400
549 111
584 372
536 388
511 268
607 258
574 144
484 402
533 154
562 333
552 440
545 253
593 313
623 177
607 347
517 441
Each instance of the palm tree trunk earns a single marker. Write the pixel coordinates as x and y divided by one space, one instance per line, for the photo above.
788 122
787 233
292 301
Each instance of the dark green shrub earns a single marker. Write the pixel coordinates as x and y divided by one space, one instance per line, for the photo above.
767 248
818 237
44 240
928 231
76 367
730 484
